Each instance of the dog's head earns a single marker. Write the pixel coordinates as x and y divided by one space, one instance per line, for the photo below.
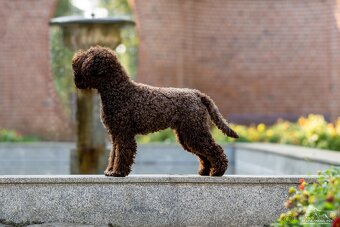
95 67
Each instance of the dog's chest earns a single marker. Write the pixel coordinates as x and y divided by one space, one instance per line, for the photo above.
111 116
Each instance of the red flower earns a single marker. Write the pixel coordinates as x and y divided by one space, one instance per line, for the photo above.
336 222
302 184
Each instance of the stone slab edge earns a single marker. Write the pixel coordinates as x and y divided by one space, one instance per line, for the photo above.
155 179
297 152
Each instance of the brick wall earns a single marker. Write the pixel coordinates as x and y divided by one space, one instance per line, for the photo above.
28 101
259 60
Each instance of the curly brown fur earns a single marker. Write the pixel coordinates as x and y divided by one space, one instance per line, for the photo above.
130 108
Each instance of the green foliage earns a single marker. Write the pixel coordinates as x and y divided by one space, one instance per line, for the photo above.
314 204
14 136
128 58
116 7
61 56
165 136
62 69
312 131
65 8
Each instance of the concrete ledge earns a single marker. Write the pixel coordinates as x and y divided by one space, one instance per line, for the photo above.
76 179
298 152
277 159
141 200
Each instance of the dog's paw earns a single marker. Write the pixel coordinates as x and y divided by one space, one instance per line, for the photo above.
220 167
216 172
110 173
204 172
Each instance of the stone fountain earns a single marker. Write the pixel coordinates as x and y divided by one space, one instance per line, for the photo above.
82 33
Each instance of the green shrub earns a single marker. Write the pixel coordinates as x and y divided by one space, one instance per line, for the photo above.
311 131
165 136
7 135
314 204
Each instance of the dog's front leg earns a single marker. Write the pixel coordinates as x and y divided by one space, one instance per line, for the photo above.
125 152
111 160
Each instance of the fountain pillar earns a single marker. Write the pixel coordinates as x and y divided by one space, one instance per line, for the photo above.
90 155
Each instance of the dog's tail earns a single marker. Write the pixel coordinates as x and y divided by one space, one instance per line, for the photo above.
216 116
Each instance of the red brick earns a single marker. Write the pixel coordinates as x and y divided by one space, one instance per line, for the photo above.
28 101
256 59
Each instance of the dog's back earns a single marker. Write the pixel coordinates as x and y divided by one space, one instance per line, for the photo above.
157 108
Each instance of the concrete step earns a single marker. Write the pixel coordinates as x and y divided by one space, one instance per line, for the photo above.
145 200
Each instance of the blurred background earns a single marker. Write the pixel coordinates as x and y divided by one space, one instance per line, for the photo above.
272 67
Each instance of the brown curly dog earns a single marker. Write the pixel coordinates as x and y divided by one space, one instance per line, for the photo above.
130 108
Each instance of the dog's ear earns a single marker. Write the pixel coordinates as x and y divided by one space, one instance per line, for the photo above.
77 59
99 62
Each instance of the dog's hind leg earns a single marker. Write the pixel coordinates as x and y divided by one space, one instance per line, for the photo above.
204 167
200 141
125 152
204 164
